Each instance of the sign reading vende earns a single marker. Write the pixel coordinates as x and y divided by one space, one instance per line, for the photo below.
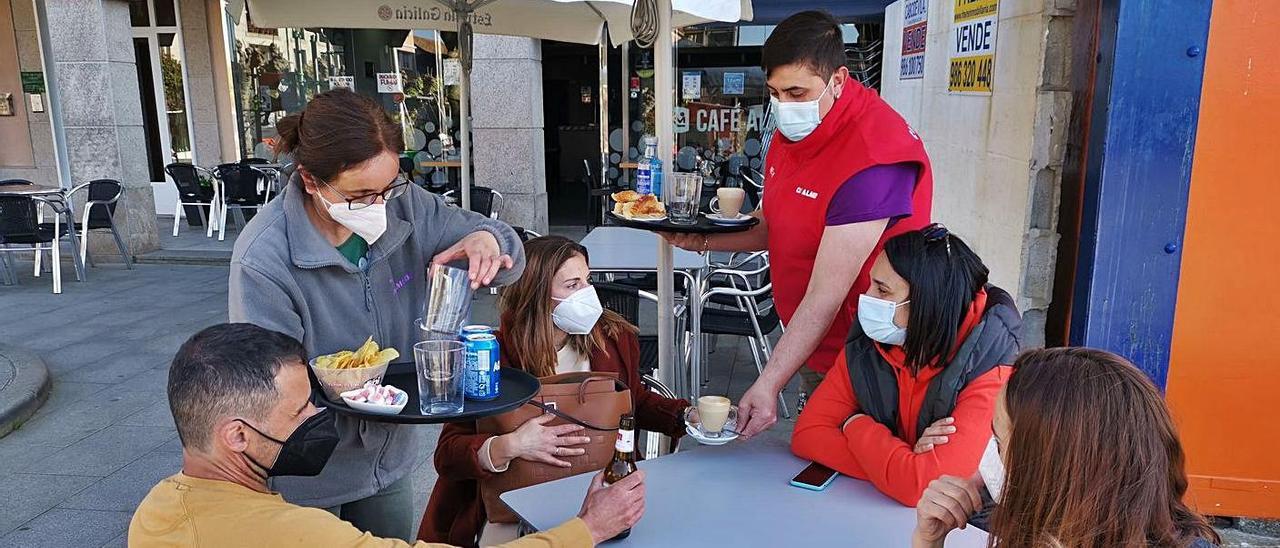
915 19
973 45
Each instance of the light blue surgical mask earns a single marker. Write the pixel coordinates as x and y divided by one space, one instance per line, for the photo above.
876 318
797 119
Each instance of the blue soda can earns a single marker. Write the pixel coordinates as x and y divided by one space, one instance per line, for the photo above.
477 329
481 354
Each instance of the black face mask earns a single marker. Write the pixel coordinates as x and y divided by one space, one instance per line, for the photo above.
307 449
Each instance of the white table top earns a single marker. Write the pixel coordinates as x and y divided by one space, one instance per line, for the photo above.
739 495
616 248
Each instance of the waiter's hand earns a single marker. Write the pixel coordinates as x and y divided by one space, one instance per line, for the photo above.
484 257
758 409
689 242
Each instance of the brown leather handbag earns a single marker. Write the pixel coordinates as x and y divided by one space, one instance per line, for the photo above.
592 400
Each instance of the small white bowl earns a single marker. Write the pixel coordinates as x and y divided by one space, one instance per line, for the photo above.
379 409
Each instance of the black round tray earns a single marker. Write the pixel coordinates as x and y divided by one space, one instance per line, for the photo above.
704 226
515 388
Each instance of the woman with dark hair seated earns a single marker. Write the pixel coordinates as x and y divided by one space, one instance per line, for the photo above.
1085 455
913 391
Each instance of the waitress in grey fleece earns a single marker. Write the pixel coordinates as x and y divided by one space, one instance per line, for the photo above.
339 256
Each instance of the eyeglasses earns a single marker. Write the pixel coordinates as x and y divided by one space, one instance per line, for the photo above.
936 232
394 190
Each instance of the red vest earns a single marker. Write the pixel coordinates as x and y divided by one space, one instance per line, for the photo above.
860 131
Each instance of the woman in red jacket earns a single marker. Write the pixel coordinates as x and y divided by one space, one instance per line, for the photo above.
552 322
913 391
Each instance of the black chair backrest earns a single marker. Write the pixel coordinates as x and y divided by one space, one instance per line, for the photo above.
9 182
103 190
524 234
240 183
187 179
255 161
406 165
482 200
623 299
18 219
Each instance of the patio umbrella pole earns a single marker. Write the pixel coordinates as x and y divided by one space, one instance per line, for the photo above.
664 87
604 109
463 13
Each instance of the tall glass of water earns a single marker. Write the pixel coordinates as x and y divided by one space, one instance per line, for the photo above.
684 198
441 370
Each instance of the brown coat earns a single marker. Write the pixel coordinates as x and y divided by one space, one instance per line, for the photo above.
455 514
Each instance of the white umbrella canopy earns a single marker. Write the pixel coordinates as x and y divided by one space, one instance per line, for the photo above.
579 21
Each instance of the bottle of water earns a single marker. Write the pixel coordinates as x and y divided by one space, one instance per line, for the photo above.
655 174
644 171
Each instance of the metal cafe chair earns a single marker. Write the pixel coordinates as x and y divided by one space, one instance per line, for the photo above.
484 200
625 300
753 319
186 177
20 225
244 186
15 182
99 214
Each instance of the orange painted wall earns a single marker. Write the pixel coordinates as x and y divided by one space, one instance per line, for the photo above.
1224 371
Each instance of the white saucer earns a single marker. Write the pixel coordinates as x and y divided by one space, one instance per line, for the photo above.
719 219
725 437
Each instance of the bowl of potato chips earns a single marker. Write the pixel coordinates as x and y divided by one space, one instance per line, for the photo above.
350 370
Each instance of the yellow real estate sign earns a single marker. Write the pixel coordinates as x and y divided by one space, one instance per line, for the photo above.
973 45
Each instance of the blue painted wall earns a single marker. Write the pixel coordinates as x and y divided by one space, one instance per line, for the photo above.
1147 99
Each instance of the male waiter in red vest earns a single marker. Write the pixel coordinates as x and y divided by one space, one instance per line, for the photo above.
843 174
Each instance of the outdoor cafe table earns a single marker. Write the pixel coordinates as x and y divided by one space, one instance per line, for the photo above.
61 195
621 250
739 495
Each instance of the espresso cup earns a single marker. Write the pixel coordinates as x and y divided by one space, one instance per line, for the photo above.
730 199
713 411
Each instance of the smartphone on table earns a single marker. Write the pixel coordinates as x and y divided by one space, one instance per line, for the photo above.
814 477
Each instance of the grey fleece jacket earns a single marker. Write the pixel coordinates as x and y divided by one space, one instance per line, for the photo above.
287 277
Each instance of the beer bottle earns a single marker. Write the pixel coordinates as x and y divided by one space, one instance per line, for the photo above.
624 457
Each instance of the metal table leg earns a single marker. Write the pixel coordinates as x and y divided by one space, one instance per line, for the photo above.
75 240
694 376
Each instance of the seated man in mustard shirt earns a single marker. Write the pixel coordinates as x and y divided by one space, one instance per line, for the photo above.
240 398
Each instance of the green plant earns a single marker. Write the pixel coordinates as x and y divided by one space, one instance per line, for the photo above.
171 72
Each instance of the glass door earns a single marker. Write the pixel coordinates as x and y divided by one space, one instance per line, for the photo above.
158 54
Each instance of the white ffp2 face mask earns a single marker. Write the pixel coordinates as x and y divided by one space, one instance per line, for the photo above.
991 468
797 119
876 318
368 222
578 313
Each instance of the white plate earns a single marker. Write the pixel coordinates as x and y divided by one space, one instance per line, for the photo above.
704 440
378 409
655 220
719 219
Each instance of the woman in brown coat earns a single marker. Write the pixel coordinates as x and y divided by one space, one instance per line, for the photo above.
552 323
